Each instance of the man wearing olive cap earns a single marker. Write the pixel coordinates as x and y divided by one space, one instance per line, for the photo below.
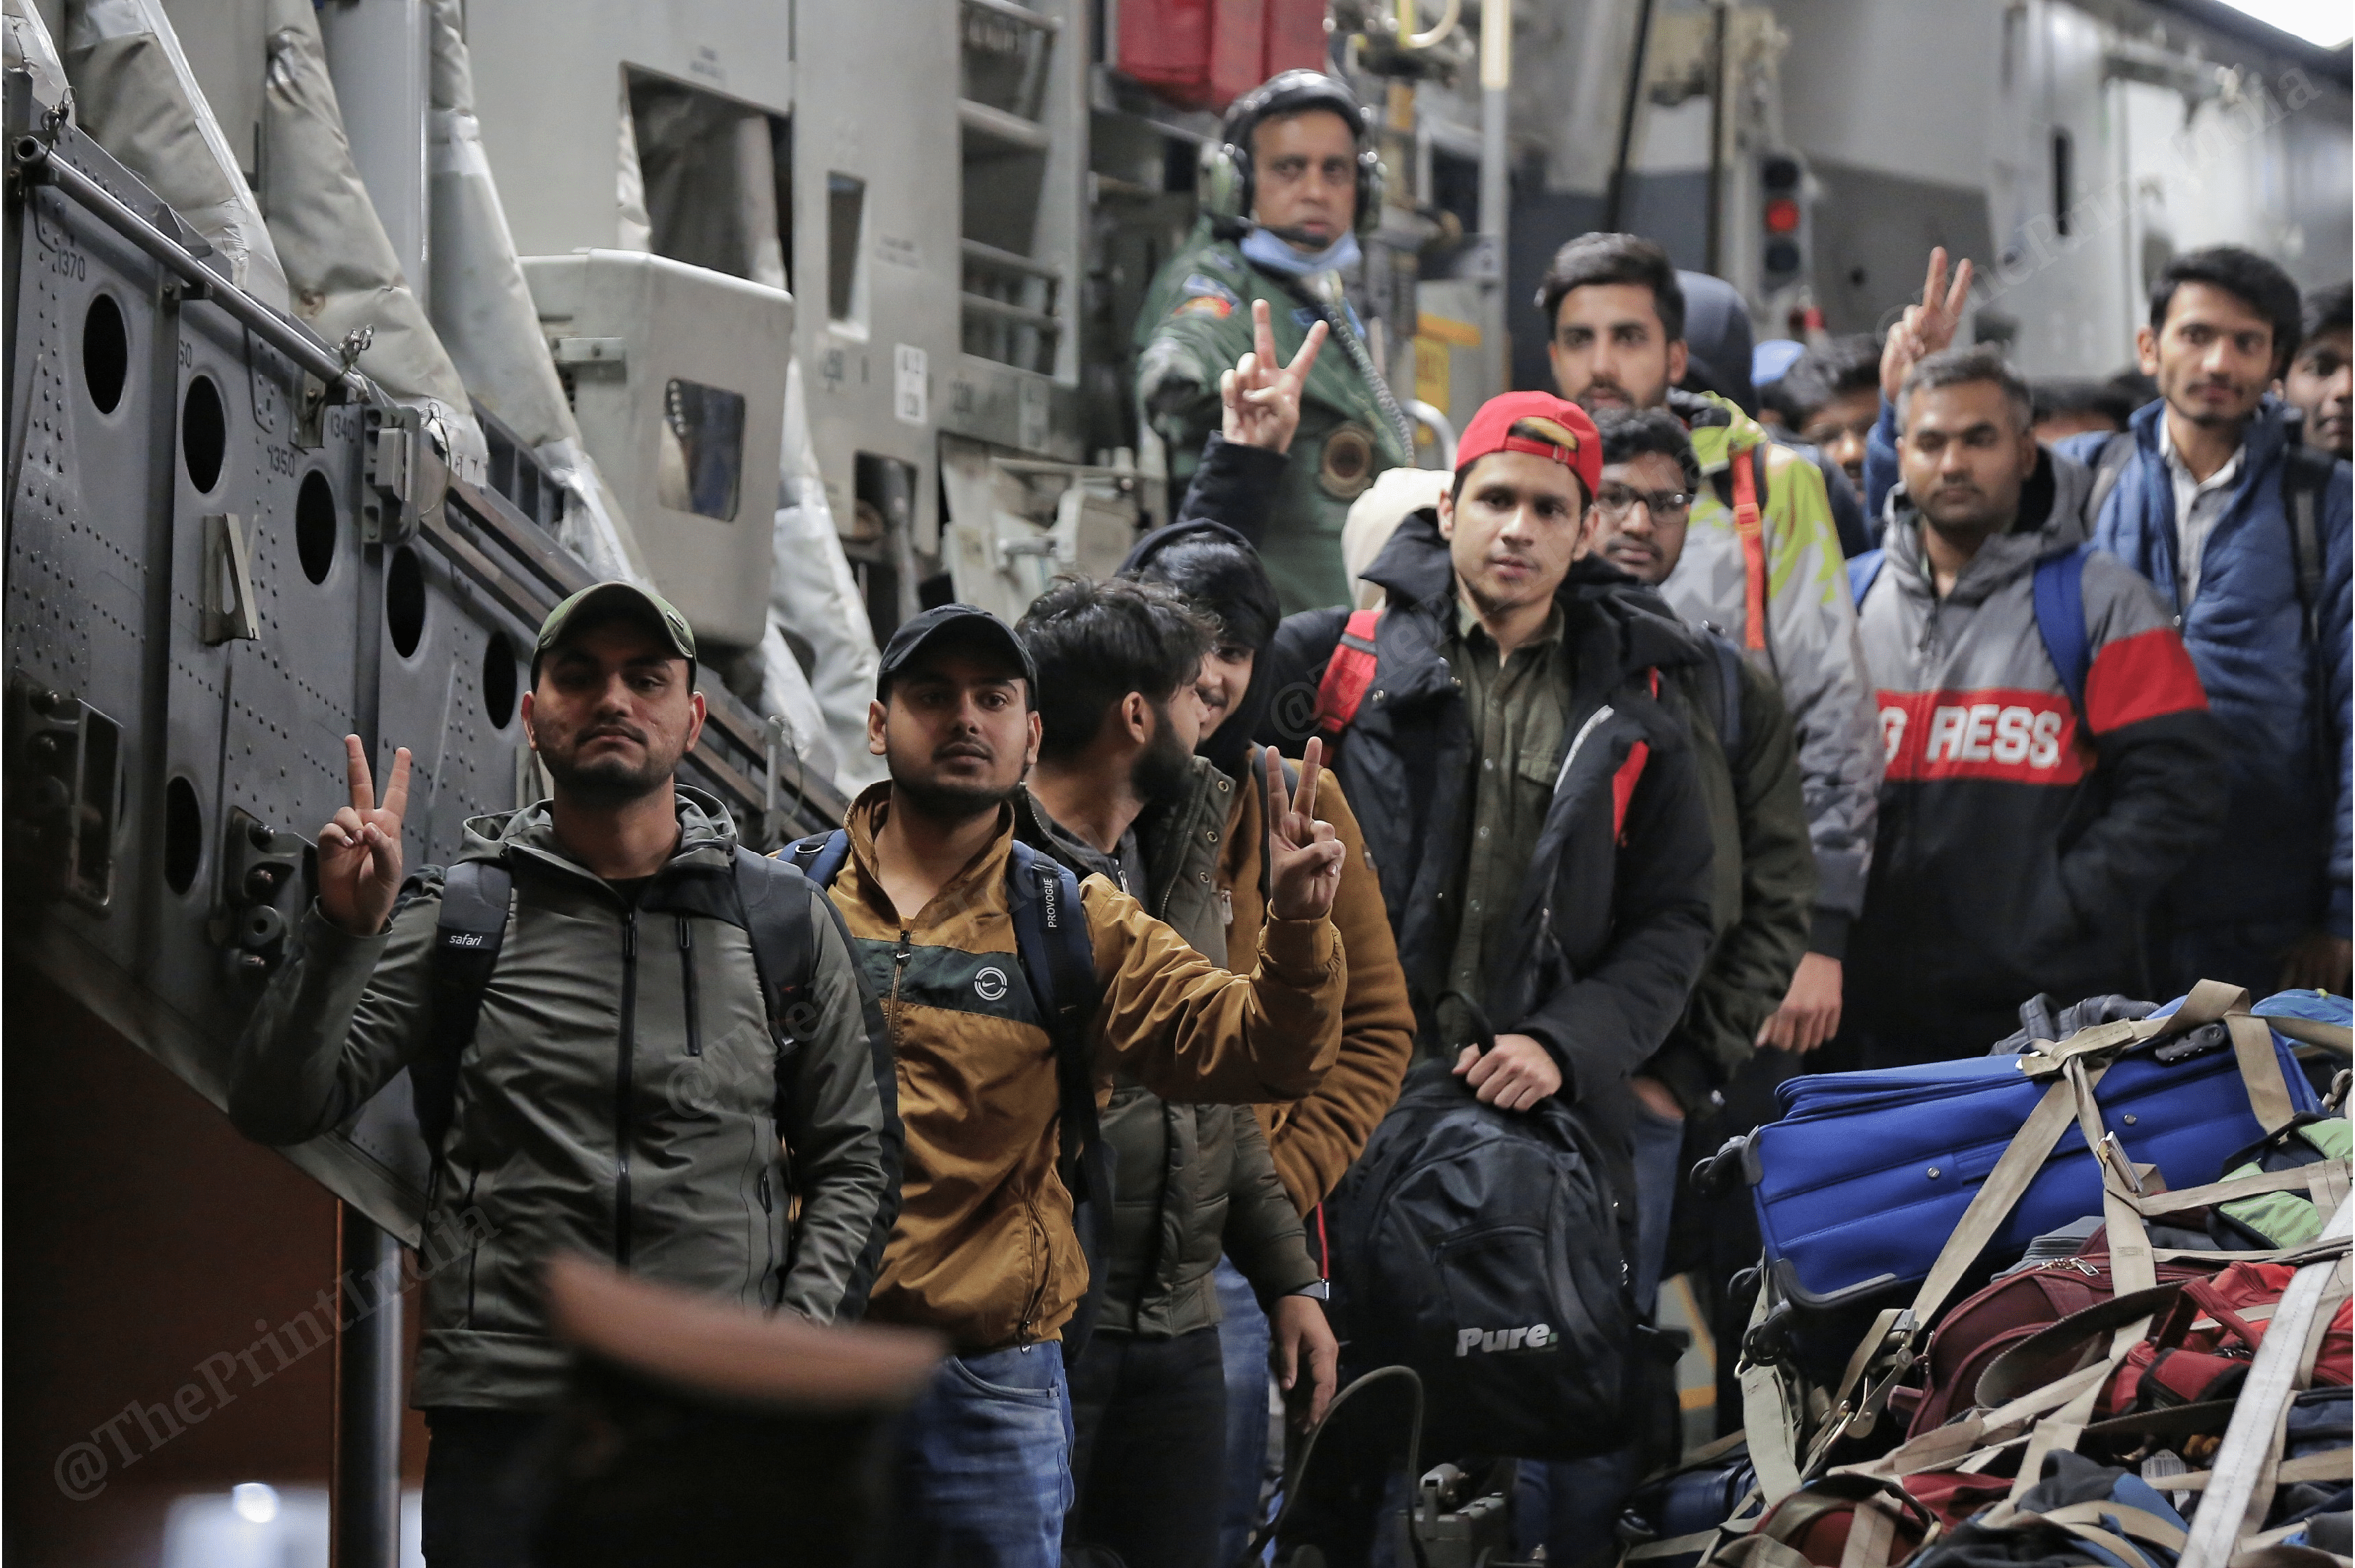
625 1090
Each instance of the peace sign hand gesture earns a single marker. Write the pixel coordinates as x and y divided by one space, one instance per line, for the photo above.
1303 854
1928 327
1263 402
360 848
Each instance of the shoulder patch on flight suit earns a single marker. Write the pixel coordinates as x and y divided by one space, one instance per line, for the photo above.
1211 305
1196 284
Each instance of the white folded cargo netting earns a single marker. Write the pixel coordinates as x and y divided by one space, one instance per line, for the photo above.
483 310
30 49
135 96
339 263
813 600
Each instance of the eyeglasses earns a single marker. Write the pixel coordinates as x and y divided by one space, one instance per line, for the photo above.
1617 501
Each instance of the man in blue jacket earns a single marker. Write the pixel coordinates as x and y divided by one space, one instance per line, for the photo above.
2246 536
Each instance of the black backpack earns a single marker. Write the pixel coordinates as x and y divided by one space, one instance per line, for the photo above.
1482 1248
1058 961
763 896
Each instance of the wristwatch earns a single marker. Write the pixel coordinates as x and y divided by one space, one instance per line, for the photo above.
1320 1291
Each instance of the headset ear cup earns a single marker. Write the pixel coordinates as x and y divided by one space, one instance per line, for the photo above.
1223 182
1370 191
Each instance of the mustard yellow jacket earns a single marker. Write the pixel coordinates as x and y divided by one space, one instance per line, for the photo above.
984 1250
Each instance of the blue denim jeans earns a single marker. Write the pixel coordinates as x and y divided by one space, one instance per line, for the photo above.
1580 1500
982 1464
1243 1346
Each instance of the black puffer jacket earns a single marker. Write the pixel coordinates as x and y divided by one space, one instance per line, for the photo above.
1612 924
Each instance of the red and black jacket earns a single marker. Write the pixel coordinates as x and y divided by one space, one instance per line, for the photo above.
2021 840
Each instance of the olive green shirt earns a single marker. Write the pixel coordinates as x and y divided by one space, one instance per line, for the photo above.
1516 708
1194 323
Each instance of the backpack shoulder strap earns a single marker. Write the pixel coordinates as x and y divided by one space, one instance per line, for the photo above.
1728 699
2305 474
472 923
1348 674
1051 938
1862 572
820 856
2060 592
2109 466
1750 529
773 896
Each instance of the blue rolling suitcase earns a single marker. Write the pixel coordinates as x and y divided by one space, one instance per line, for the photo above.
1861 1184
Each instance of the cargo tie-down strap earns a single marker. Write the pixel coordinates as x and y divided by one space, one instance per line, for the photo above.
2031 1409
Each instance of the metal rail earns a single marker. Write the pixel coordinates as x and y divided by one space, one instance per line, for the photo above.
1000 126
35 161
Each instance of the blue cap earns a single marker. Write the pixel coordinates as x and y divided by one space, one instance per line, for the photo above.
1772 359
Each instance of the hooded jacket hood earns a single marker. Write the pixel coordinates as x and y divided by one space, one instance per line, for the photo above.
1227 748
2051 521
706 832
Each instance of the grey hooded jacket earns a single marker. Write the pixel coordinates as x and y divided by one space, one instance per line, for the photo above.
623 1098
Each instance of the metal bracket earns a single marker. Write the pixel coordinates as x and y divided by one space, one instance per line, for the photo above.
229 609
407 473
65 794
593 351
265 873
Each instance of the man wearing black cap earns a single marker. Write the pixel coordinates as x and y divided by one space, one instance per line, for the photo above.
986 1250
624 1089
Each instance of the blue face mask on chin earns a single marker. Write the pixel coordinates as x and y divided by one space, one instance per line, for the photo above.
1265 249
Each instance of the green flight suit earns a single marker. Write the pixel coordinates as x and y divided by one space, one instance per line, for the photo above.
1195 324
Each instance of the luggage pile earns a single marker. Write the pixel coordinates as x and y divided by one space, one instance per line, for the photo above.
2088 1304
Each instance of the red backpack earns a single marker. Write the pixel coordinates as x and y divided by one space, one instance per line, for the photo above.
1982 1328
2199 1349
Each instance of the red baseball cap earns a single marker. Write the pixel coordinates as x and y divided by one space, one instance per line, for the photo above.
1570 436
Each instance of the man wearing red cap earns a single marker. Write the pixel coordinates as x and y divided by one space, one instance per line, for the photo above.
1530 802
1511 730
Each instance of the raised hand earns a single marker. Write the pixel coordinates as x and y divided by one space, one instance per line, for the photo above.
360 848
1928 327
1304 855
1261 402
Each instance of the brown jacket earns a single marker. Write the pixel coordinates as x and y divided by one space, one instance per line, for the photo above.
1315 1139
984 1250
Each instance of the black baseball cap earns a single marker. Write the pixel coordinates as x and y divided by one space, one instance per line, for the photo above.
957 623
612 600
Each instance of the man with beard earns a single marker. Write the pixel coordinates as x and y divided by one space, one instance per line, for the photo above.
2245 534
1118 792
2043 787
1761 565
1214 877
622 1091
986 1250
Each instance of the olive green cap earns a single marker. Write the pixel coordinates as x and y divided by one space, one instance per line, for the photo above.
615 601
